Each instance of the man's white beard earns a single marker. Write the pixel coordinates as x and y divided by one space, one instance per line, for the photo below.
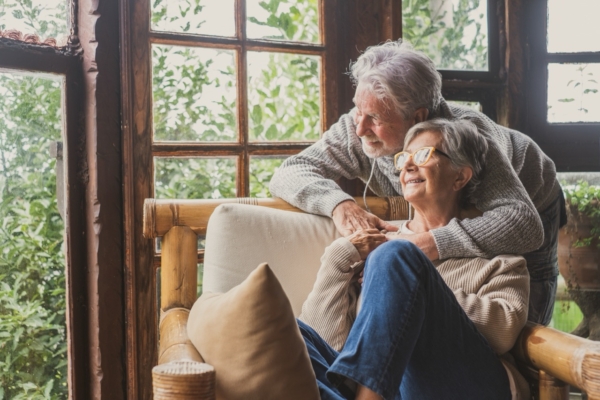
376 152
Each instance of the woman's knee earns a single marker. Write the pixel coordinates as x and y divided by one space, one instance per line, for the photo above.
397 256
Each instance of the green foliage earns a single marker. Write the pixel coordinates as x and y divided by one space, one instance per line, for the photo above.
426 30
43 18
33 346
194 178
587 86
586 199
261 171
566 316
193 100
290 20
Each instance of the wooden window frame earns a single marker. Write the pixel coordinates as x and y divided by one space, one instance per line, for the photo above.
139 149
33 58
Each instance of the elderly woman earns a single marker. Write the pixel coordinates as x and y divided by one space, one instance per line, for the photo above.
425 330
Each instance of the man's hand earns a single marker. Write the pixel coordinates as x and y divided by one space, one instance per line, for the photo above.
366 240
348 218
424 241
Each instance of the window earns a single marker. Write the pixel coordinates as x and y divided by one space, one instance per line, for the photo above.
564 97
462 39
43 347
218 93
222 92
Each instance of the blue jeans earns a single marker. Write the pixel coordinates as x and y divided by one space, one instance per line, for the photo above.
543 266
411 339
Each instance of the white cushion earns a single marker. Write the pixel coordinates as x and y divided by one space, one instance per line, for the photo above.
240 237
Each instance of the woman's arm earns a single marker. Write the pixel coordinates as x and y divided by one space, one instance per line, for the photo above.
330 308
499 307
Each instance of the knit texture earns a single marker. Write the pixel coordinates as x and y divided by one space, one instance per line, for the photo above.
518 180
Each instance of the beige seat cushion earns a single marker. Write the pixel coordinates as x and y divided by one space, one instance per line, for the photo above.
239 237
250 336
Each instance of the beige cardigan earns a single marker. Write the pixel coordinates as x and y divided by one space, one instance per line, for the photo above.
494 294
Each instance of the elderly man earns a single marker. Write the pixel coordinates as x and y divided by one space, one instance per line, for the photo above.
397 87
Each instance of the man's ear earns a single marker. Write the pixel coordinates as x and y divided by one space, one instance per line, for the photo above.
421 115
462 178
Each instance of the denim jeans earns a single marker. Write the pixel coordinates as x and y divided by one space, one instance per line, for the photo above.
543 265
411 338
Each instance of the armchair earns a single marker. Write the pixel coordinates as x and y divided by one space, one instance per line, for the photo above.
561 359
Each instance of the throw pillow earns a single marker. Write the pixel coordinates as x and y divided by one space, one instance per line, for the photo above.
250 336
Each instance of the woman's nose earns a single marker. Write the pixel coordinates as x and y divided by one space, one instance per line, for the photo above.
409 165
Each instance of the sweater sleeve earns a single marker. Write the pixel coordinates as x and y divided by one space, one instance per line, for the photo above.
330 308
499 308
510 224
307 180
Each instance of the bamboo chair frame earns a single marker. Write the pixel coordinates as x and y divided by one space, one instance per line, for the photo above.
562 359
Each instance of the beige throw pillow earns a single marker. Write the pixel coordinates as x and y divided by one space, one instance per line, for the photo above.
250 336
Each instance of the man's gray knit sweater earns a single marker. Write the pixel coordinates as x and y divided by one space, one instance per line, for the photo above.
518 179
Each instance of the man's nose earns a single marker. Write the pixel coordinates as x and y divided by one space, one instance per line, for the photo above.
362 126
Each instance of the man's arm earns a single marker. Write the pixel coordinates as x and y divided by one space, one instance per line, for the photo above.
510 224
307 180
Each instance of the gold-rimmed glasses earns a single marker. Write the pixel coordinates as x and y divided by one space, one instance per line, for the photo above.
420 156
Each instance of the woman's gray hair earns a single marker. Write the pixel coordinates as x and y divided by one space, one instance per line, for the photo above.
462 142
396 73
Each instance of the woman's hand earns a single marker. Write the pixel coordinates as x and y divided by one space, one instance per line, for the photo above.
366 240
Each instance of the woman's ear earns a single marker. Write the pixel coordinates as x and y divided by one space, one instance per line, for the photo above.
463 177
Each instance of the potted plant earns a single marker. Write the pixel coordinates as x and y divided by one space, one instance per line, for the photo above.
579 254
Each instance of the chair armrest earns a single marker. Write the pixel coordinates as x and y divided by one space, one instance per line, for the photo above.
567 357
181 372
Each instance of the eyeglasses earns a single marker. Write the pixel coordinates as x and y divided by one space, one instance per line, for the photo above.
420 157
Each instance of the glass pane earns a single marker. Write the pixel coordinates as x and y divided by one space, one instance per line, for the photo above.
33 342
200 278
45 18
573 93
573 26
207 17
194 178
194 94
283 97
453 33
475 105
291 20
261 171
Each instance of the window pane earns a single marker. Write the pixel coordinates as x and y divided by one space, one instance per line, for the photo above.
194 94
33 344
284 97
453 33
261 171
194 178
45 18
207 17
573 93
573 26
291 20
475 105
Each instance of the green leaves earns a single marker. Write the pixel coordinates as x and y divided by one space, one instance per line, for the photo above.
426 29
586 200
32 280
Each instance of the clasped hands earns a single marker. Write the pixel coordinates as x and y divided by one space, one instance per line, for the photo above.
366 231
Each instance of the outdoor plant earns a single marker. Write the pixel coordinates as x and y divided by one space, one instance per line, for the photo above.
584 199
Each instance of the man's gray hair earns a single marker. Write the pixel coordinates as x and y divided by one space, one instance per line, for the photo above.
396 73
462 142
